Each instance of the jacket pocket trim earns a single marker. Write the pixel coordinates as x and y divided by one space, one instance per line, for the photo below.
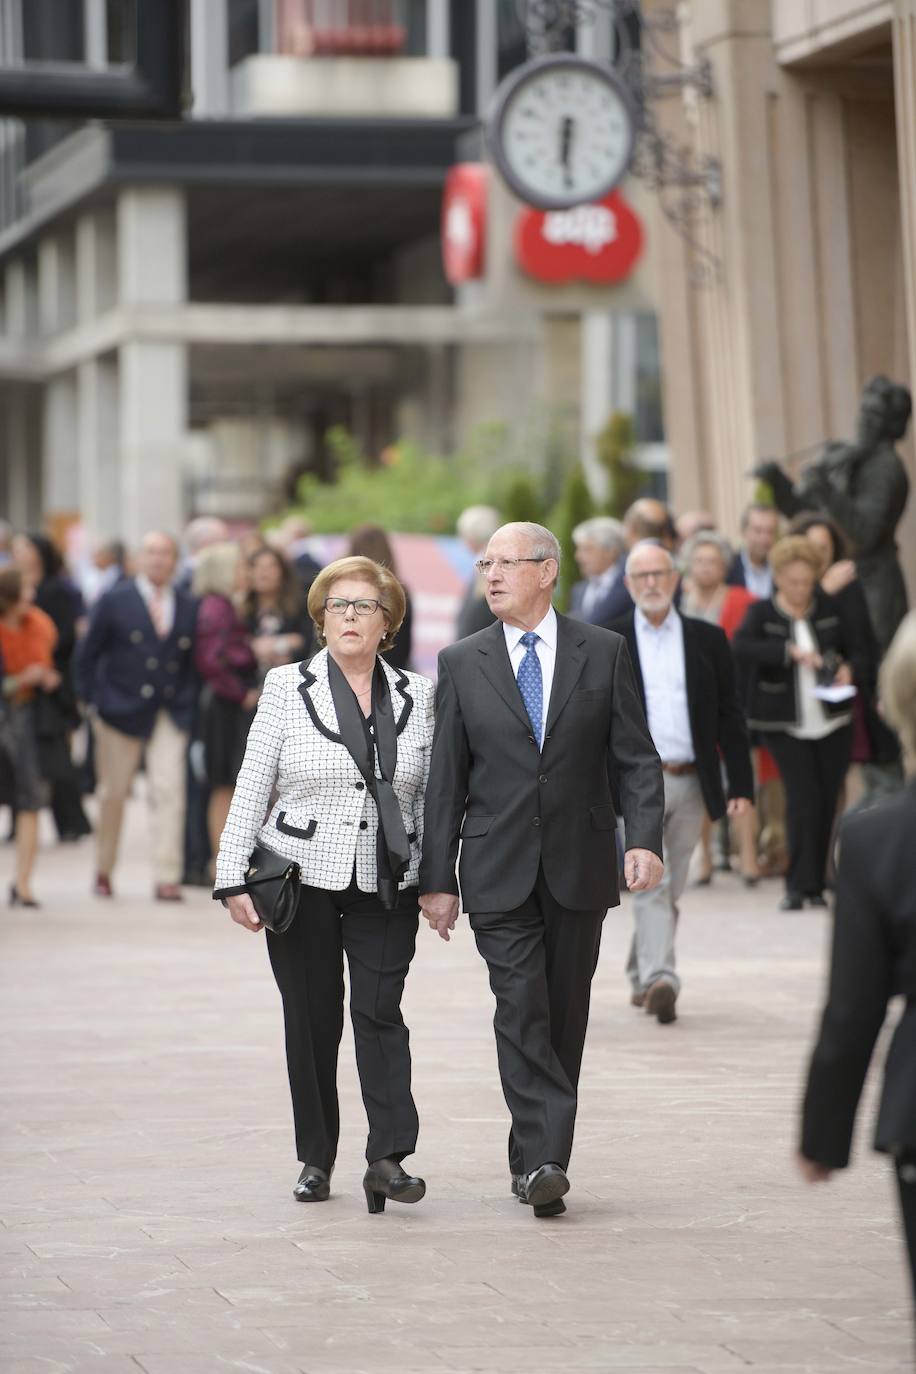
475 826
285 829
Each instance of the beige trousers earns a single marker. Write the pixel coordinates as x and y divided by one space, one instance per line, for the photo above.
117 758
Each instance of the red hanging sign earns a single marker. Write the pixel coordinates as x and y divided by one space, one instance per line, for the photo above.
600 242
464 222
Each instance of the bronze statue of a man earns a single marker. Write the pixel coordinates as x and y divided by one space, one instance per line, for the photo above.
864 486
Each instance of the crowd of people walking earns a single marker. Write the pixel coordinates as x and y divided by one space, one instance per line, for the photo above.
271 703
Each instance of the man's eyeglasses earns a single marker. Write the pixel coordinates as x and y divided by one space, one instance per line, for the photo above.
657 573
483 565
363 605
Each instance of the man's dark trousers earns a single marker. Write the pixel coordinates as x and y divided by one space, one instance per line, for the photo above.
536 954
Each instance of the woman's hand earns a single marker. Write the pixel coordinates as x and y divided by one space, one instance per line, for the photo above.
806 657
843 676
838 576
241 909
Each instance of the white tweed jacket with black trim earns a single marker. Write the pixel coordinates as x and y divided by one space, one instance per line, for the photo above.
322 815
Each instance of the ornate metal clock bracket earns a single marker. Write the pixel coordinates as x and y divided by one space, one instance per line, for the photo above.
688 184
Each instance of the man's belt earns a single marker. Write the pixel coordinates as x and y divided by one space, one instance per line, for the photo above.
679 770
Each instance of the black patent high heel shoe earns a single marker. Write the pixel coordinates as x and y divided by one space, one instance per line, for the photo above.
386 1179
314 1185
17 900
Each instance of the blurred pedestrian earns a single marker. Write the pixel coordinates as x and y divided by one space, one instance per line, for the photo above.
796 644
646 519
27 640
295 536
475 528
874 960
199 534
346 744
109 563
874 745
600 545
6 543
691 522
225 660
705 560
135 671
371 541
274 611
686 678
751 566
59 597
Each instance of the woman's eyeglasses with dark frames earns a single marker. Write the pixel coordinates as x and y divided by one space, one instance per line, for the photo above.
363 605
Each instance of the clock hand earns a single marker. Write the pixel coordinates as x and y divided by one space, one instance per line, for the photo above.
567 127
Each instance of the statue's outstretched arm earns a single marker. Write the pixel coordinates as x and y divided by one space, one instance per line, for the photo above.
784 496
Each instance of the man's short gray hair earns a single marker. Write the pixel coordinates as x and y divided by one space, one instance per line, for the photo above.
714 540
647 544
477 525
602 530
897 686
544 543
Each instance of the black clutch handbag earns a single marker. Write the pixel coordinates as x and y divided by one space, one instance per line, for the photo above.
272 883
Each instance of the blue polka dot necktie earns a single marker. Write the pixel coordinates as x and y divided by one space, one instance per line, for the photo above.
531 683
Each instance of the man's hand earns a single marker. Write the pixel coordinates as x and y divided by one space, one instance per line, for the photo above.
241 909
812 1172
843 676
441 911
642 870
739 806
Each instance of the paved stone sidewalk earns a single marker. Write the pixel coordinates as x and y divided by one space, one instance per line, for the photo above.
147 1222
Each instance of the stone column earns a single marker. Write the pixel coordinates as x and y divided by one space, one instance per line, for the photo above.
97 437
153 384
60 475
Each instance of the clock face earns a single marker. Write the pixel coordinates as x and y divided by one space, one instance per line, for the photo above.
561 131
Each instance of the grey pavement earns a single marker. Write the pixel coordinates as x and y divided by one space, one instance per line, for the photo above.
147 1224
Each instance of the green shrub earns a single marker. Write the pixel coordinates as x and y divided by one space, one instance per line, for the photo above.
615 447
574 506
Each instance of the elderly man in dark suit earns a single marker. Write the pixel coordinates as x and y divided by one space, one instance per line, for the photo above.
536 717
600 549
135 670
686 679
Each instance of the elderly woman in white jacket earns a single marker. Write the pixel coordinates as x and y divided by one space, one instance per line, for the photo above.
359 860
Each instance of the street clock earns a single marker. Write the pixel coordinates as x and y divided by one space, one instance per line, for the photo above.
561 131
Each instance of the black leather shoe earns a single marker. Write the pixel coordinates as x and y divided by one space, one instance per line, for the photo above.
792 901
816 899
385 1179
314 1185
543 1186
546 1209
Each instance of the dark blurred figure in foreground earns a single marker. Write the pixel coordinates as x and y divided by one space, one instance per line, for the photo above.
874 959
135 672
27 640
475 528
54 593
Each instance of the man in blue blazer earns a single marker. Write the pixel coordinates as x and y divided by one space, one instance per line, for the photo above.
600 550
135 671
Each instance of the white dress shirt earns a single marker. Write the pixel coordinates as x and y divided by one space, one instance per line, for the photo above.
757 580
167 593
813 720
546 650
661 661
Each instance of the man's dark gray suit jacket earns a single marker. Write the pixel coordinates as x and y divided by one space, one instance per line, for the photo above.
515 807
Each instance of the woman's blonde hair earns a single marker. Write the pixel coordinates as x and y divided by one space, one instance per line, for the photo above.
897 686
217 569
390 594
795 548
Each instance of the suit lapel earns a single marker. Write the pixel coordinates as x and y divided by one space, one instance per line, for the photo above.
629 634
401 699
497 669
690 668
315 691
567 668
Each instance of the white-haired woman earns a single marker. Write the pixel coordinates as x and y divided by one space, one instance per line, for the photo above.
225 660
874 960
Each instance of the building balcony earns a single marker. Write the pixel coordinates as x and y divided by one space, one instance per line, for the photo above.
277 85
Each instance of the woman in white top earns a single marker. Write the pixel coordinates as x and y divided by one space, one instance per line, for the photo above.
792 645
342 745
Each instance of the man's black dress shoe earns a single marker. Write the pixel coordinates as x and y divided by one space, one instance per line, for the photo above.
386 1179
792 901
816 899
543 1186
547 1209
314 1185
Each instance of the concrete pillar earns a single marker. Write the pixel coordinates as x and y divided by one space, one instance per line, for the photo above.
437 28
60 476
56 283
153 382
209 58
487 52
20 295
96 265
98 442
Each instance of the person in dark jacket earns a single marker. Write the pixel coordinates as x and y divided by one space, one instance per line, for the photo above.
225 660
371 541
135 672
475 527
54 593
795 646
275 612
874 959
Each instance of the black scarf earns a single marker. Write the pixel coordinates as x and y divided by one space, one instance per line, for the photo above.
392 847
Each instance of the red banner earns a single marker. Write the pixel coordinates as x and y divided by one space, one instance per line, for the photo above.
600 242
